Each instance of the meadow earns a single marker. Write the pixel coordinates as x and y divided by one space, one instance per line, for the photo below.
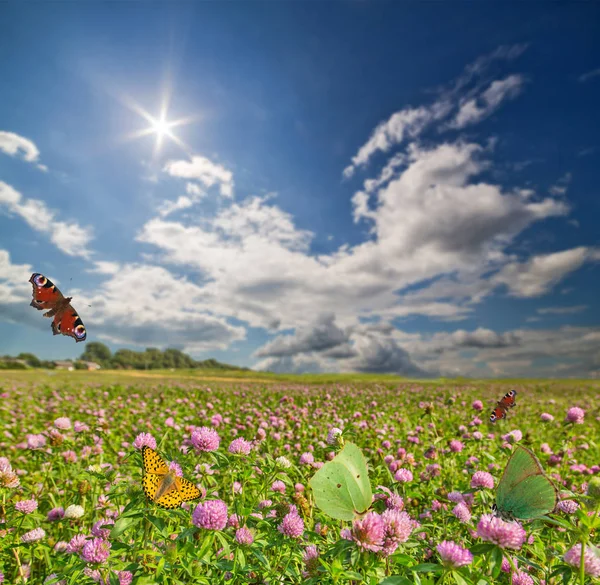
73 509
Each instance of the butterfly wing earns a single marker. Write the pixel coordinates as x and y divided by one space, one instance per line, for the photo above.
153 462
508 400
68 322
341 487
45 294
170 500
151 483
499 412
187 490
524 490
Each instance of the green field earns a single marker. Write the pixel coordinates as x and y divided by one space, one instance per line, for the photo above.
73 439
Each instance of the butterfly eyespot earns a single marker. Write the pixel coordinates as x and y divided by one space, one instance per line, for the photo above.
80 331
40 280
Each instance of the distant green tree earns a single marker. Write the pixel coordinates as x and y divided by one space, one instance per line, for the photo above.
79 365
97 352
30 359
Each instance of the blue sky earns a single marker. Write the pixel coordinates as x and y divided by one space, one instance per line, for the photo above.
355 186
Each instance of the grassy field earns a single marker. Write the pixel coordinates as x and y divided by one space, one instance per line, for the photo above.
74 509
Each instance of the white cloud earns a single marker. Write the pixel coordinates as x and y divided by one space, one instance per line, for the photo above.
14 285
194 194
476 109
169 207
104 267
204 170
14 145
432 220
69 237
15 295
146 305
540 274
410 122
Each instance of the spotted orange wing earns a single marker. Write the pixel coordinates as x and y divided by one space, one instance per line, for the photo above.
45 294
155 473
170 500
153 462
68 322
187 490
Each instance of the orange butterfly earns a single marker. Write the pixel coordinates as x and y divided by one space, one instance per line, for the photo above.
507 401
162 486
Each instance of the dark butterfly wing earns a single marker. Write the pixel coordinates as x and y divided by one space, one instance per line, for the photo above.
45 294
68 322
508 400
498 413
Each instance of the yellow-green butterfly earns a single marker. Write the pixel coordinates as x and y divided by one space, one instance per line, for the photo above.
524 492
163 486
341 487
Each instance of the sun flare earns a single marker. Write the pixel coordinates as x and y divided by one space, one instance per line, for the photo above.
161 127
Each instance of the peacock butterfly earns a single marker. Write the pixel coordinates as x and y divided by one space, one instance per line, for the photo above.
47 296
506 402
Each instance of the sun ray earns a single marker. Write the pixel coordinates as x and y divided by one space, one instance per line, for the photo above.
160 126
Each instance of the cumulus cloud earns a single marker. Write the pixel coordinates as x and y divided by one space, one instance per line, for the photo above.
15 145
69 237
434 219
204 170
147 305
326 347
539 274
322 335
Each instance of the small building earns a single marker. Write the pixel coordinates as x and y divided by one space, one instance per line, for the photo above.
91 366
60 365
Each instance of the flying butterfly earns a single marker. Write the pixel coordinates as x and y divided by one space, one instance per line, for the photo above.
524 492
47 297
507 401
163 486
341 487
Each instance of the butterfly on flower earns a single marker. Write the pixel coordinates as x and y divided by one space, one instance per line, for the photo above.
162 485
65 318
507 401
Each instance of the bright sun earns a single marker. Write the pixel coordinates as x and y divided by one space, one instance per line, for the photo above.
161 127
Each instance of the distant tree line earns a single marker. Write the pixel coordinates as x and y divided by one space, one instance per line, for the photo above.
150 359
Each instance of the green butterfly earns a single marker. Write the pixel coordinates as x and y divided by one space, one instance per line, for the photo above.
524 492
341 487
